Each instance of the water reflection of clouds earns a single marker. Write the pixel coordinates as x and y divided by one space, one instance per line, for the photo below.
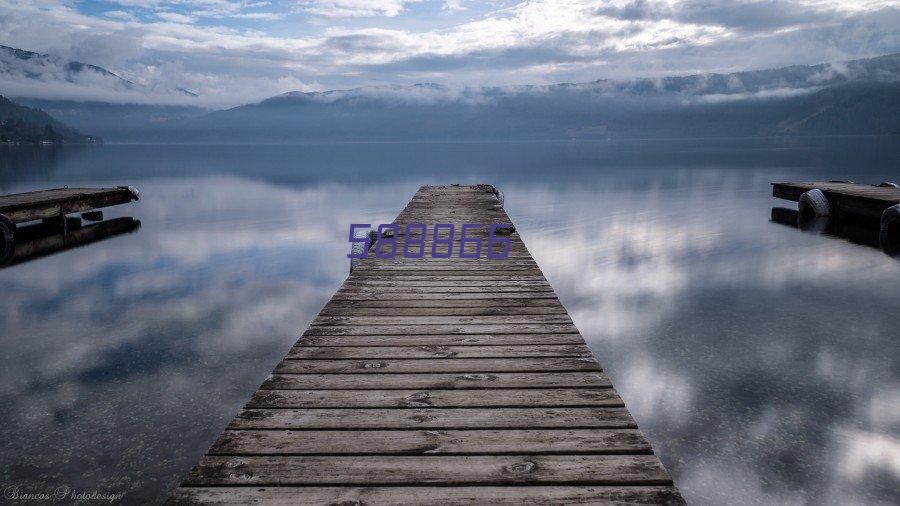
752 356
625 260
758 360
173 326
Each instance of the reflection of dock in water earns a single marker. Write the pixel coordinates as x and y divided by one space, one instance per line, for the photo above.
863 214
42 239
56 230
853 232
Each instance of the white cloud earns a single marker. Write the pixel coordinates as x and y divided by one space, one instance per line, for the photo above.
453 5
123 15
174 17
353 8
205 8
715 98
263 16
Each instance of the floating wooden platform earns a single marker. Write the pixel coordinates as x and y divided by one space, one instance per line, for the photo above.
442 381
52 206
848 198
47 204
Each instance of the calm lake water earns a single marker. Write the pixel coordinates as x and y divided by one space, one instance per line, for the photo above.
762 362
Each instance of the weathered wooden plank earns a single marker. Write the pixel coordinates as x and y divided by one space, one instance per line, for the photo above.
429 442
444 237
416 241
411 256
334 309
433 418
458 267
402 283
449 275
511 328
432 470
440 320
446 285
436 365
508 397
509 273
515 246
444 380
444 296
414 496
41 204
887 195
459 211
456 215
514 259
513 255
443 302
480 278
516 250
457 221
413 352
444 240
440 339
441 290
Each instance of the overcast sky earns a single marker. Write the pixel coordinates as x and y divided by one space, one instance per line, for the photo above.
235 52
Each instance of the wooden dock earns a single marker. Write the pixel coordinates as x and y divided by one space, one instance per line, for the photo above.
48 204
52 207
847 198
444 381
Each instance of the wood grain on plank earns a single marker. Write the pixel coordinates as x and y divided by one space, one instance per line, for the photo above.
362 271
417 495
580 379
511 328
432 418
441 289
431 470
440 339
429 442
444 302
435 365
440 320
434 398
343 310
411 352
389 282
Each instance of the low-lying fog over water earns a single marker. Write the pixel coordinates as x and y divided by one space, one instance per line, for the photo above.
761 361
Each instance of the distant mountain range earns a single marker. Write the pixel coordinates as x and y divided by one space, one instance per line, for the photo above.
855 97
73 92
19 124
42 67
30 67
